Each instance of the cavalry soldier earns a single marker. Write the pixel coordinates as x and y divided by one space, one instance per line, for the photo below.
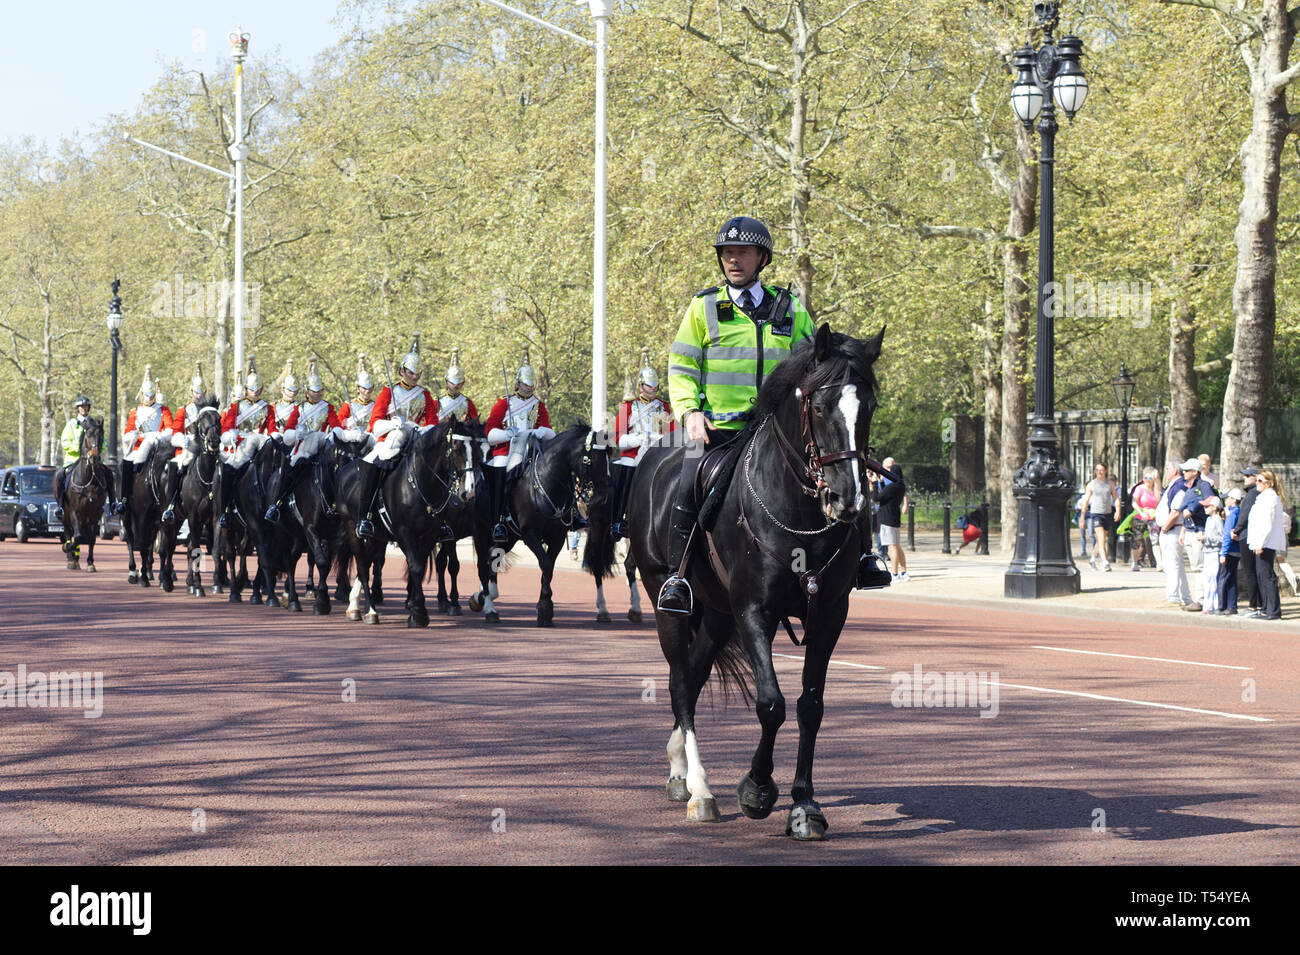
399 410
643 419
453 403
288 402
308 425
71 443
355 414
513 419
184 418
148 423
244 427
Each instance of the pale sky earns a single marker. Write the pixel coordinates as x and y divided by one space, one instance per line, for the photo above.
68 64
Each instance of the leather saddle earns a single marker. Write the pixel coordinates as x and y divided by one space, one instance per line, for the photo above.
713 476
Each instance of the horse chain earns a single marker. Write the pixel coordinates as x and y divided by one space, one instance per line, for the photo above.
749 455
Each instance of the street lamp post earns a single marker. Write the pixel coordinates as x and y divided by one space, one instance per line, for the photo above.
1043 565
238 154
600 11
114 326
1124 386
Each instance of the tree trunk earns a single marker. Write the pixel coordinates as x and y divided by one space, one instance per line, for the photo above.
1016 311
1183 402
46 393
800 188
992 382
1254 303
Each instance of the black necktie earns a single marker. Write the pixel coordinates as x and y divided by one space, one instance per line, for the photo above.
746 301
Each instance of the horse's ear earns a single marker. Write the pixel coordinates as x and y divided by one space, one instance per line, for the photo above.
874 343
822 342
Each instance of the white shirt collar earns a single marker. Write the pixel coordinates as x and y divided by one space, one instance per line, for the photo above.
755 291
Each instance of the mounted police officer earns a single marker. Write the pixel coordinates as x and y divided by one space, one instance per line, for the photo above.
70 441
643 419
513 420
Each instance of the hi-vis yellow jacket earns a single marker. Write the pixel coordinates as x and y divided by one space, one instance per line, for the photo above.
721 355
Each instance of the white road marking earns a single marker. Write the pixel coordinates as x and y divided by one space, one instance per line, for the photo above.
1130 656
838 663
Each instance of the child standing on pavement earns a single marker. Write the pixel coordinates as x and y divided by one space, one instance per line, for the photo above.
1210 568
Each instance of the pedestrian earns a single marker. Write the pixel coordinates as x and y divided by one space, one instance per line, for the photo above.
890 492
1229 555
1265 536
1207 470
1100 506
1198 489
1247 587
1286 535
1142 528
1170 515
1213 540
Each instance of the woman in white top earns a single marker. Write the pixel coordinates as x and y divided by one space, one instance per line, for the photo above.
1265 536
1100 508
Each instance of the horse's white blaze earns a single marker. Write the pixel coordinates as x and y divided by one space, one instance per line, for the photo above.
697 780
849 406
677 754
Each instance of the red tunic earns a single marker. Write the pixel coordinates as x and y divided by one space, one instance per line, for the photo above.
497 419
163 425
346 412
380 410
328 423
624 421
229 419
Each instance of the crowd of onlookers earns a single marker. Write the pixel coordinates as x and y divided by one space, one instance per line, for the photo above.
1235 540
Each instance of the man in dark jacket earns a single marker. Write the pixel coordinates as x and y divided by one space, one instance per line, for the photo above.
1247 587
890 494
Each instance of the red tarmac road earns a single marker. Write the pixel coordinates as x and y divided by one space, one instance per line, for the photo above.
225 737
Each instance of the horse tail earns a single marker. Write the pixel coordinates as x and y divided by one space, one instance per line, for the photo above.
730 668
598 553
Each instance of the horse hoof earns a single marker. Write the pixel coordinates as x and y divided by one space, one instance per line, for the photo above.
493 617
199 592
167 586
372 617
416 623
634 616
72 565
756 801
133 577
90 569
284 601
475 602
294 607
354 614
234 598
545 623
677 789
455 611
806 823
444 610
273 604
144 581
218 589
702 809
341 595
604 617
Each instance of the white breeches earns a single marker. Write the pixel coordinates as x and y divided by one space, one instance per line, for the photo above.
246 448
146 445
394 437
308 447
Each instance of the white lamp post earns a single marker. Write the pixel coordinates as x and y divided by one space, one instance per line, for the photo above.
600 11
238 153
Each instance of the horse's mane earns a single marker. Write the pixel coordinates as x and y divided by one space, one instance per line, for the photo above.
802 368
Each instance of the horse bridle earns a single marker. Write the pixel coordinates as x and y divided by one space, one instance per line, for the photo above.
414 481
582 483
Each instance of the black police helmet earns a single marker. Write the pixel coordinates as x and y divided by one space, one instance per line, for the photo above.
743 230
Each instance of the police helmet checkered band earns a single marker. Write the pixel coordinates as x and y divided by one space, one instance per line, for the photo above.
526 375
743 230
82 400
147 387
454 375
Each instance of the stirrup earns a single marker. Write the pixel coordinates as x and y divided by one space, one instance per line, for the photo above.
120 507
169 515
365 528
499 535
446 535
618 530
272 515
675 592
871 576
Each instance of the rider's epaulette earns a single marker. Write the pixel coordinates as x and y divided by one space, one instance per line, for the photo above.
707 291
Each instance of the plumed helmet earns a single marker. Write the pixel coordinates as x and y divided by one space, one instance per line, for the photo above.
454 375
628 393
196 383
254 381
363 377
647 376
81 400
411 360
314 381
743 230
526 374
287 381
147 387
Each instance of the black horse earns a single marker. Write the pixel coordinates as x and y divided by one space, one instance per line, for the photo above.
544 502
785 543
312 505
143 518
86 484
417 497
467 520
197 491
231 544
279 545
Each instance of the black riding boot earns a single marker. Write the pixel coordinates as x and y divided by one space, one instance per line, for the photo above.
618 519
290 482
676 596
227 488
367 490
871 573
128 474
111 492
60 479
169 515
498 479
